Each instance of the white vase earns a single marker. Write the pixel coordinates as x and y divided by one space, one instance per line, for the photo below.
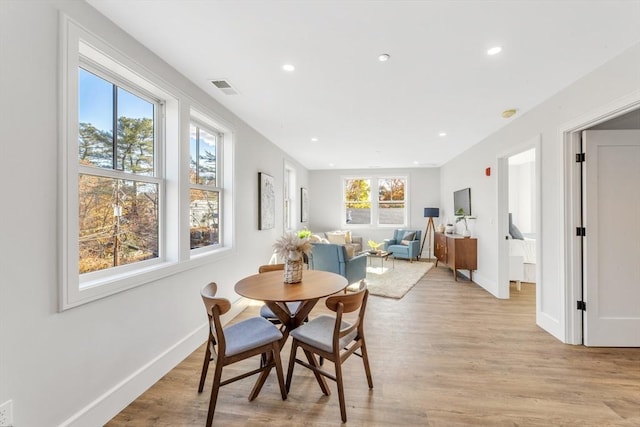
466 232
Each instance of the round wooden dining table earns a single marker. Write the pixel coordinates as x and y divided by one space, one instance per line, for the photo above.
270 288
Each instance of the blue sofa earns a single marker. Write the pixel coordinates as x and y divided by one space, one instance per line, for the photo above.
333 257
408 251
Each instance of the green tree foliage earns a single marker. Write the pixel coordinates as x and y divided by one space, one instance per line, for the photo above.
391 191
358 193
118 219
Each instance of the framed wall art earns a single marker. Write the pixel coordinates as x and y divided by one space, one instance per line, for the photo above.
304 205
266 202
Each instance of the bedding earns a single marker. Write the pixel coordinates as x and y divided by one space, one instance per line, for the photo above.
526 249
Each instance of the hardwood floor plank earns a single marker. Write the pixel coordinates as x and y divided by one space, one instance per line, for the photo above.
447 354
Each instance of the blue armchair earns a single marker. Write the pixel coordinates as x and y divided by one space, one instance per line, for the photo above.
405 244
333 257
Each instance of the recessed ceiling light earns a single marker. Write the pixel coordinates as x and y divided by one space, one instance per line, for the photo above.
494 50
415 162
384 57
314 139
442 134
508 113
288 67
331 165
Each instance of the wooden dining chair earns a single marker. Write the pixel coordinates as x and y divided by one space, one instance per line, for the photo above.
250 337
265 311
334 339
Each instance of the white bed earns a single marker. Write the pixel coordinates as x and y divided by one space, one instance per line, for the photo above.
522 265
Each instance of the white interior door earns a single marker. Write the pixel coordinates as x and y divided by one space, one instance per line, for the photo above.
611 215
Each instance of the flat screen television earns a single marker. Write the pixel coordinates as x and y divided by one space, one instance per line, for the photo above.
462 200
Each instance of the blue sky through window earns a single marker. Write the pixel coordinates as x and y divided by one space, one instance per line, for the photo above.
96 102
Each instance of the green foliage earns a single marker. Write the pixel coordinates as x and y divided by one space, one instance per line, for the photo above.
358 194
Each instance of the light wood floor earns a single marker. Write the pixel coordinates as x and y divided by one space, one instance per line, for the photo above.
447 354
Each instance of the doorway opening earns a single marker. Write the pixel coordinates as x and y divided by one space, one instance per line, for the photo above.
519 219
522 234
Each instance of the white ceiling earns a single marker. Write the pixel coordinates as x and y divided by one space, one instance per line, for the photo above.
367 113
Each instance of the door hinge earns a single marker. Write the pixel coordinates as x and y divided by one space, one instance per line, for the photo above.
581 231
581 305
580 157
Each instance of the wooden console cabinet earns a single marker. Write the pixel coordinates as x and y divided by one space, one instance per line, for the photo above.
457 252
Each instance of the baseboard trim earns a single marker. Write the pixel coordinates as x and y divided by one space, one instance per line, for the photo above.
114 400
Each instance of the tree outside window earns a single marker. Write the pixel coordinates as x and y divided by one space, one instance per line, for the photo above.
357 201
204 206
390 208
117 189
391 202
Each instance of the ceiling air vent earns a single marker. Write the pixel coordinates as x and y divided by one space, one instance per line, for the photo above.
224 86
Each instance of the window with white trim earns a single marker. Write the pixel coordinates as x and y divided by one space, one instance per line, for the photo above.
124 159
118 181
390 208
205 195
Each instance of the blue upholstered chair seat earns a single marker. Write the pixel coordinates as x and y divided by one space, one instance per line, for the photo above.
248 334
319 333
267 313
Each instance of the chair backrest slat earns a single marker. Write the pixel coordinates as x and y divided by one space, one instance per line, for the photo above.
350 301
270 267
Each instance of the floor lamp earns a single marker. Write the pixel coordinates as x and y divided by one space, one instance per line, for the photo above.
429 213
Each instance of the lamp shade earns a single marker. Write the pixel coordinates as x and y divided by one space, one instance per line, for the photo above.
431 212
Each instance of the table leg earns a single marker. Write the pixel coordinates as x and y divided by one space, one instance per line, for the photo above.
289 322
321 381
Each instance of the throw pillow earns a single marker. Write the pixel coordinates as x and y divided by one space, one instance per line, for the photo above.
409 235
515 232
405 242
350 250
337 238
347 237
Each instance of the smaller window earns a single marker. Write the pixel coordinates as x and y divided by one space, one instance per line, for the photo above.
357 201
391 203
205 187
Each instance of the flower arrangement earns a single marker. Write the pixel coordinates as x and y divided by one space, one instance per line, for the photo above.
290 247
373 245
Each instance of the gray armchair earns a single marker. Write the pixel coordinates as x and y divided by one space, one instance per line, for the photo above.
333 258
405 244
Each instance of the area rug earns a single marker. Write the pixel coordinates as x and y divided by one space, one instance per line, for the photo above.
395 282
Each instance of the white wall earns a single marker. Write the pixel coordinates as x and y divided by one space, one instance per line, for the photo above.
83 365
614 80
325 193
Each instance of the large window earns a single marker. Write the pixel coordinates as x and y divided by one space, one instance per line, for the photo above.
205 188
118 186
141 199
389 208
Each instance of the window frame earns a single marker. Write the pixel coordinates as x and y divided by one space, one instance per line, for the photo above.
79 46
91 278
219 187
374 200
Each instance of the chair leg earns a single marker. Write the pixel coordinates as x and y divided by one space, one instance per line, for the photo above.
321 382
343 406
205 367
261 378
365 361
217 376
